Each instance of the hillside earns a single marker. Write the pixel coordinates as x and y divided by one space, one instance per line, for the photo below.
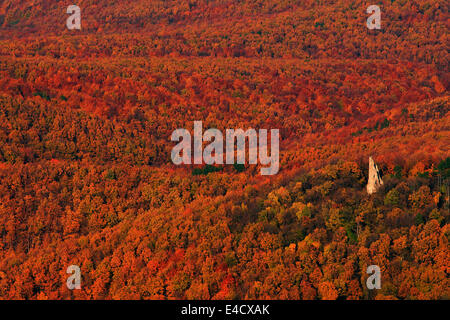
86 175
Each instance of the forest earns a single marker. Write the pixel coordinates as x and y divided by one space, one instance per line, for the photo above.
86 176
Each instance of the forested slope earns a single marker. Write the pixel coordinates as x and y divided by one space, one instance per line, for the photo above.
86 176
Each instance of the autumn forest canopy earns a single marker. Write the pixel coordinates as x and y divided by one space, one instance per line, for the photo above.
86 176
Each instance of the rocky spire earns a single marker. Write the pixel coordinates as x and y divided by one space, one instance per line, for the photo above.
374 177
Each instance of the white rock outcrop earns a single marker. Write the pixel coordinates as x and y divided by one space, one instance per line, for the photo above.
375 180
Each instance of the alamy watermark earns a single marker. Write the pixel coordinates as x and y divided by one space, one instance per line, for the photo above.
74 21
74 281
373 281
235 147
374 21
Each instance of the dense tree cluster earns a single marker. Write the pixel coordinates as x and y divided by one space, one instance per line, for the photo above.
85 170
146 233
